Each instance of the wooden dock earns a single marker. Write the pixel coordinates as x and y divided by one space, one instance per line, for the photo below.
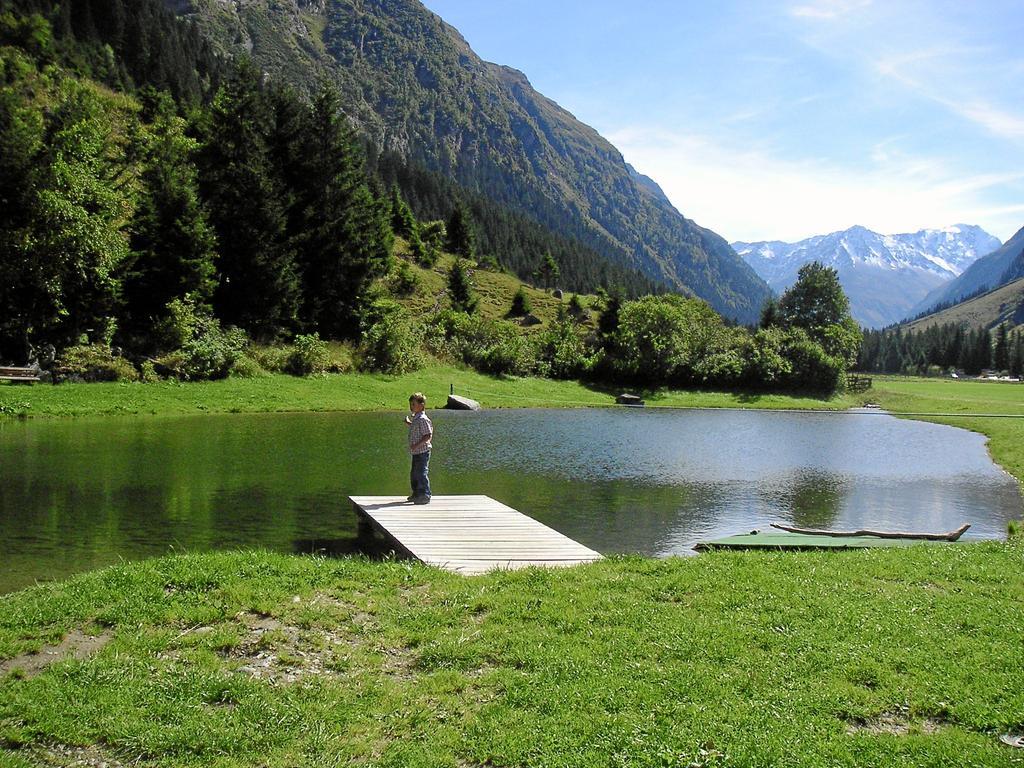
469 534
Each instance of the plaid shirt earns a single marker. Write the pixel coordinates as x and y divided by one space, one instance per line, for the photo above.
419 428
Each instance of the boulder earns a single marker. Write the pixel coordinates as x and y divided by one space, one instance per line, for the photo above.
558 293
457 403
627 399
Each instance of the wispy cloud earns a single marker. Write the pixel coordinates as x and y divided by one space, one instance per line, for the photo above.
828 9
747 194
930 74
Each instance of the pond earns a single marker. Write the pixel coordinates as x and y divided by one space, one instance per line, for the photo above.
84 493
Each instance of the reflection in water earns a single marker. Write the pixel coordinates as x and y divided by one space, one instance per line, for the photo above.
76 495
813 498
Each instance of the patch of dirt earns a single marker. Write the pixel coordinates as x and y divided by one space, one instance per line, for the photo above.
66 756
75 645
283 653
894 724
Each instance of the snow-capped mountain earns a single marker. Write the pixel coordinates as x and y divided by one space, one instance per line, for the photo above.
884 276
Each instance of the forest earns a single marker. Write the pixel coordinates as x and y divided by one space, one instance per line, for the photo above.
941 349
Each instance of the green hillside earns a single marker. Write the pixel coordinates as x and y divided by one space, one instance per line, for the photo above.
1003 305
494 288
415 87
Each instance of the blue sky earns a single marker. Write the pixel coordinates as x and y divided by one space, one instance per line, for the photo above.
768 119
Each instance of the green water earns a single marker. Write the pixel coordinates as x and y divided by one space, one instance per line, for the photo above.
83 493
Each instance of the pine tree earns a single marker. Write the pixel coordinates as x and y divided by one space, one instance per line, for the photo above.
422 250
460 290
459 232
548 271
259 285
402 221
1001 354
608 322
769 313
347 239
173 245
521 304
1017 355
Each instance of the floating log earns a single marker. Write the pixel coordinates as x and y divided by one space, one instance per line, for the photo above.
951 536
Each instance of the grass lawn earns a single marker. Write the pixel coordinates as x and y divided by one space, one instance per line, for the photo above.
906 657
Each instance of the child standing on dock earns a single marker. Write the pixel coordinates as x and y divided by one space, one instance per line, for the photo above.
421 430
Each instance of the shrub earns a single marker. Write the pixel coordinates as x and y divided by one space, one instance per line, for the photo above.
245 367
270 358
489 262
811 367
308 356
180 323
521 304
662 338
93 362
433 234
202 349
562 351
392 341
576 308
404 281
466 338
513 355
209 354
339 358
147 372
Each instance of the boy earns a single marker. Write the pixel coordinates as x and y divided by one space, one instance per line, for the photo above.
421 430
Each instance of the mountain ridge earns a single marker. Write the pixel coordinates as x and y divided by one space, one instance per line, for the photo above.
991 271
883 275
414 85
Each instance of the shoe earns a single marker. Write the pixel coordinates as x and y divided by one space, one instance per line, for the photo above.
410 498
421 500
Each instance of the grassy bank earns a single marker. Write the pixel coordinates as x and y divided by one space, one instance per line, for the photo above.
880 658
353 392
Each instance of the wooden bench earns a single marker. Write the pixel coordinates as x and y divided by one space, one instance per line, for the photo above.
19 375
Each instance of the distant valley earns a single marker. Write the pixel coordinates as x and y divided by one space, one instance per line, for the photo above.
884 276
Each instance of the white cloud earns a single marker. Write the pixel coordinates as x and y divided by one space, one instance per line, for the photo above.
746 194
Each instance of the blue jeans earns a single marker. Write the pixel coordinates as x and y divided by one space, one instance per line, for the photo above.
418 476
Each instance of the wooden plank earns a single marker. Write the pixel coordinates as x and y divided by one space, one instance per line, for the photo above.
470 534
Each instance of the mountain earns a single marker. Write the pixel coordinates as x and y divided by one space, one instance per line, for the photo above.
414 86
993 270
884 276
1004 304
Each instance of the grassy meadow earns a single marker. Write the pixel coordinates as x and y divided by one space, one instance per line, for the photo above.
904 657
